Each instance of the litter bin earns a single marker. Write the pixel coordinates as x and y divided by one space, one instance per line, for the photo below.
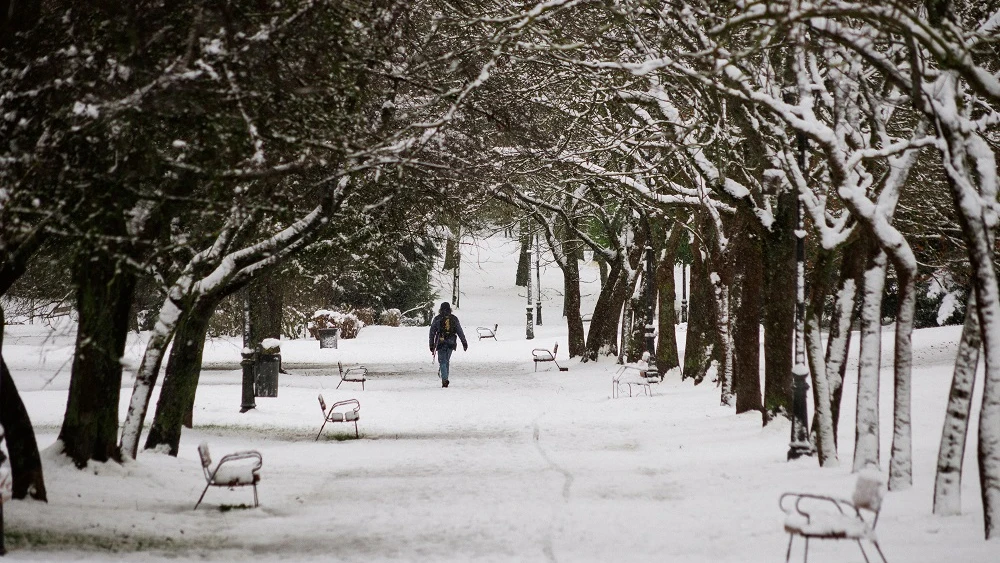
328 337
268 366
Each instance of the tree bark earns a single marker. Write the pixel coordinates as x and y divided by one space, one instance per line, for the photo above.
104 295
571 305
666 338
866 446
601 339
779 314
181 379
822 430
948 482
702 341
839 339
25 463
746 324
266 299
901 451
523 259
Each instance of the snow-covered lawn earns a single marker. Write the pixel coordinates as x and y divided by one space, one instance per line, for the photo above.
504 465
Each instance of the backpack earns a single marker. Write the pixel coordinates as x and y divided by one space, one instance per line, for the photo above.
447 326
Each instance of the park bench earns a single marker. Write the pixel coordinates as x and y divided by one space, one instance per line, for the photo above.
629 376
341 411
824 517
486 332
545 355
353 375
238 469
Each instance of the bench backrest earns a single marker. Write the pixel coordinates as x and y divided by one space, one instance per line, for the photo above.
322 404
869 490
206 458
555 350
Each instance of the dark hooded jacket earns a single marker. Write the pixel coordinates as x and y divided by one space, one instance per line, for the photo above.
437 339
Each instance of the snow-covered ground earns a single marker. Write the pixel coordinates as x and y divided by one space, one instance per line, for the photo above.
505 465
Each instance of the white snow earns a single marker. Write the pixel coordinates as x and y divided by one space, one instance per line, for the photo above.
505 465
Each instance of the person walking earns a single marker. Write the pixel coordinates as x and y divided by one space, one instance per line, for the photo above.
445 332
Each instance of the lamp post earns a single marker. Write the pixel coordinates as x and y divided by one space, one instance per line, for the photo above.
455 293
651 371
799 444
684 293
538 282
529 328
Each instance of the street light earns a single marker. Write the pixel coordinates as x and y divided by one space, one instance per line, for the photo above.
800 445
538 282
684 293
529 328
651 371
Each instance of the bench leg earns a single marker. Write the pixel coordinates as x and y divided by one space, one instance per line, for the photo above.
356 435
255 502
879 549
788 553
202 496
320 433
863 554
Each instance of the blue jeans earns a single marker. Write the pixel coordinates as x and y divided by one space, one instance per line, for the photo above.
444 357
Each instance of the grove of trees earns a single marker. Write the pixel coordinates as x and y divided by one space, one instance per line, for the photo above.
170 157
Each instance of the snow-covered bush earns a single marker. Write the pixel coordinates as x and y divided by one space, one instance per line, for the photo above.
412 321
348 323
366 315
390 317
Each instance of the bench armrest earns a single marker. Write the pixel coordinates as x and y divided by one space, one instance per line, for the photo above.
348 402
249 454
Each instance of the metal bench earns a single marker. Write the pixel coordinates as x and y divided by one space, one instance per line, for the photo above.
354 375
545 355
486 332
341 411
238 469
631 375
824 517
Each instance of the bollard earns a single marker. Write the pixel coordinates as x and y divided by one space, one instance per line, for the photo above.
248 381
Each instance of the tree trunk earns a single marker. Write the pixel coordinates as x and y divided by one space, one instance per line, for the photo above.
636 328
702 340
839 340
25 463
266 300
523 259
822 430
181 379
571 305
604 321
746 324
866 446
104 295
779 314
901 451
948 482
149 368
666 339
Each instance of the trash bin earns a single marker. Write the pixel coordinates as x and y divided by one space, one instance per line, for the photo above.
328 337
268 366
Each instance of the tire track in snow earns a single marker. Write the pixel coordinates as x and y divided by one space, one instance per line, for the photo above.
567 485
